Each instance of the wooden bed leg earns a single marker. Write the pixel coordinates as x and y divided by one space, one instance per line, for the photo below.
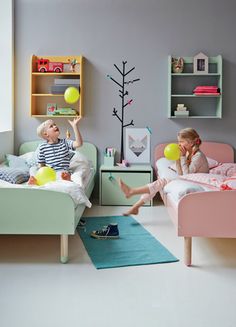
64 248
188 251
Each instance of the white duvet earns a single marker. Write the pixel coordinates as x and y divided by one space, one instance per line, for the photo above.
81 173
74 190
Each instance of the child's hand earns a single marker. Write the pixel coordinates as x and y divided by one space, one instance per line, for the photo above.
74 122
182 150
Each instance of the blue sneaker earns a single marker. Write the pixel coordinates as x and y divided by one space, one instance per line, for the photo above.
81 223
108 232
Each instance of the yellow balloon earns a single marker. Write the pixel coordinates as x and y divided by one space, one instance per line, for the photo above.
71 95
172 151
45 175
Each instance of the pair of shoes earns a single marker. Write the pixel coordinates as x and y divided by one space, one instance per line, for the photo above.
108 232
81 223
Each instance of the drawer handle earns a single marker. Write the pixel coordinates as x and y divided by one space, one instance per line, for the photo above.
111 178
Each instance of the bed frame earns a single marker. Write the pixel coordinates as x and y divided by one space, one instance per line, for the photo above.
205 214
43 212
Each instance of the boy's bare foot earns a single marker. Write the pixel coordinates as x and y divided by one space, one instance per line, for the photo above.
32 181
132 211
65 176
125 188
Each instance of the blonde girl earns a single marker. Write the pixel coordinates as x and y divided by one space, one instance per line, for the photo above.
192 160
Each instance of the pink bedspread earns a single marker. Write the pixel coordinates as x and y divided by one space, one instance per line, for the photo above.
213 181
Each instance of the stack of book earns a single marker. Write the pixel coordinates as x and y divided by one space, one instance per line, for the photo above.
61 84
206 90
181 110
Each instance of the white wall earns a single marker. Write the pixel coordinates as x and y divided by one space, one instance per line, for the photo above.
6 77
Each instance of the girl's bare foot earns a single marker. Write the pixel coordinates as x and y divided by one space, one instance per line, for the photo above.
132 211
65 176
125 188
32 181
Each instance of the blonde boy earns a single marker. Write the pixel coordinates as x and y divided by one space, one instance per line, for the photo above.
54 152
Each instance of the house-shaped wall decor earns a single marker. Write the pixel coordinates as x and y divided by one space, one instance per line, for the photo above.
200 64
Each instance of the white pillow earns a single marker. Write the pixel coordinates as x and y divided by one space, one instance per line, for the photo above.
80 167
77 160
178 188
16 162
163 168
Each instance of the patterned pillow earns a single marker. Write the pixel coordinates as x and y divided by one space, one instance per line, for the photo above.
212 163
14 175
30 158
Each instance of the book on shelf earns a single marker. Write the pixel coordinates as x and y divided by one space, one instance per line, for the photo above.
206 94
181 108
60 89
181 113
66 81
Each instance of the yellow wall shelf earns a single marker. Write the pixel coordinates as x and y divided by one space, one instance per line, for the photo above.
41 83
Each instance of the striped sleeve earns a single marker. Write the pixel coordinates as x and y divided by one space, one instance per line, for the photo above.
41 155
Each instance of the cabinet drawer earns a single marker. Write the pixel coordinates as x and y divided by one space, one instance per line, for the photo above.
110 192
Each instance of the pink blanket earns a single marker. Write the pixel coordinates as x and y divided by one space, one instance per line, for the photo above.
212 181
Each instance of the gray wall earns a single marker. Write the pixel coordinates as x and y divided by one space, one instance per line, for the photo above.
142 32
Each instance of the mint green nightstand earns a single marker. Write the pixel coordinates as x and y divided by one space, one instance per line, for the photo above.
135 175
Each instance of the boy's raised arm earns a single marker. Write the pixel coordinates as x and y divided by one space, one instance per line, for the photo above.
78 138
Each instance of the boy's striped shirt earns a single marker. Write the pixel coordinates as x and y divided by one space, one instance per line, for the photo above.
56 155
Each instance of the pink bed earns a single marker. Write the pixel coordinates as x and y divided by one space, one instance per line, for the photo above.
205 214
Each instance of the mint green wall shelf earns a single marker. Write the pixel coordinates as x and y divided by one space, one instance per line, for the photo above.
181 85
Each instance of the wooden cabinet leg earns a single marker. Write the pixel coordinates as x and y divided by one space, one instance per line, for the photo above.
188 251
64 248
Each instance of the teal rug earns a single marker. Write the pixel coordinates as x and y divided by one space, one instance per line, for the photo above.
136 246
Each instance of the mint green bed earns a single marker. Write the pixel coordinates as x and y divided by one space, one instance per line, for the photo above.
43 212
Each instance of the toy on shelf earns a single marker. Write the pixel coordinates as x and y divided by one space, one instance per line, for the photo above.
73 62
177 65
181 110
46 66
51 109
124 163
123 93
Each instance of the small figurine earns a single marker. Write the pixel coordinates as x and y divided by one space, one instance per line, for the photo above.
124 163
177 65
73 63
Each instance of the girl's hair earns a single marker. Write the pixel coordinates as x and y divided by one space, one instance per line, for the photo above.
191 135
